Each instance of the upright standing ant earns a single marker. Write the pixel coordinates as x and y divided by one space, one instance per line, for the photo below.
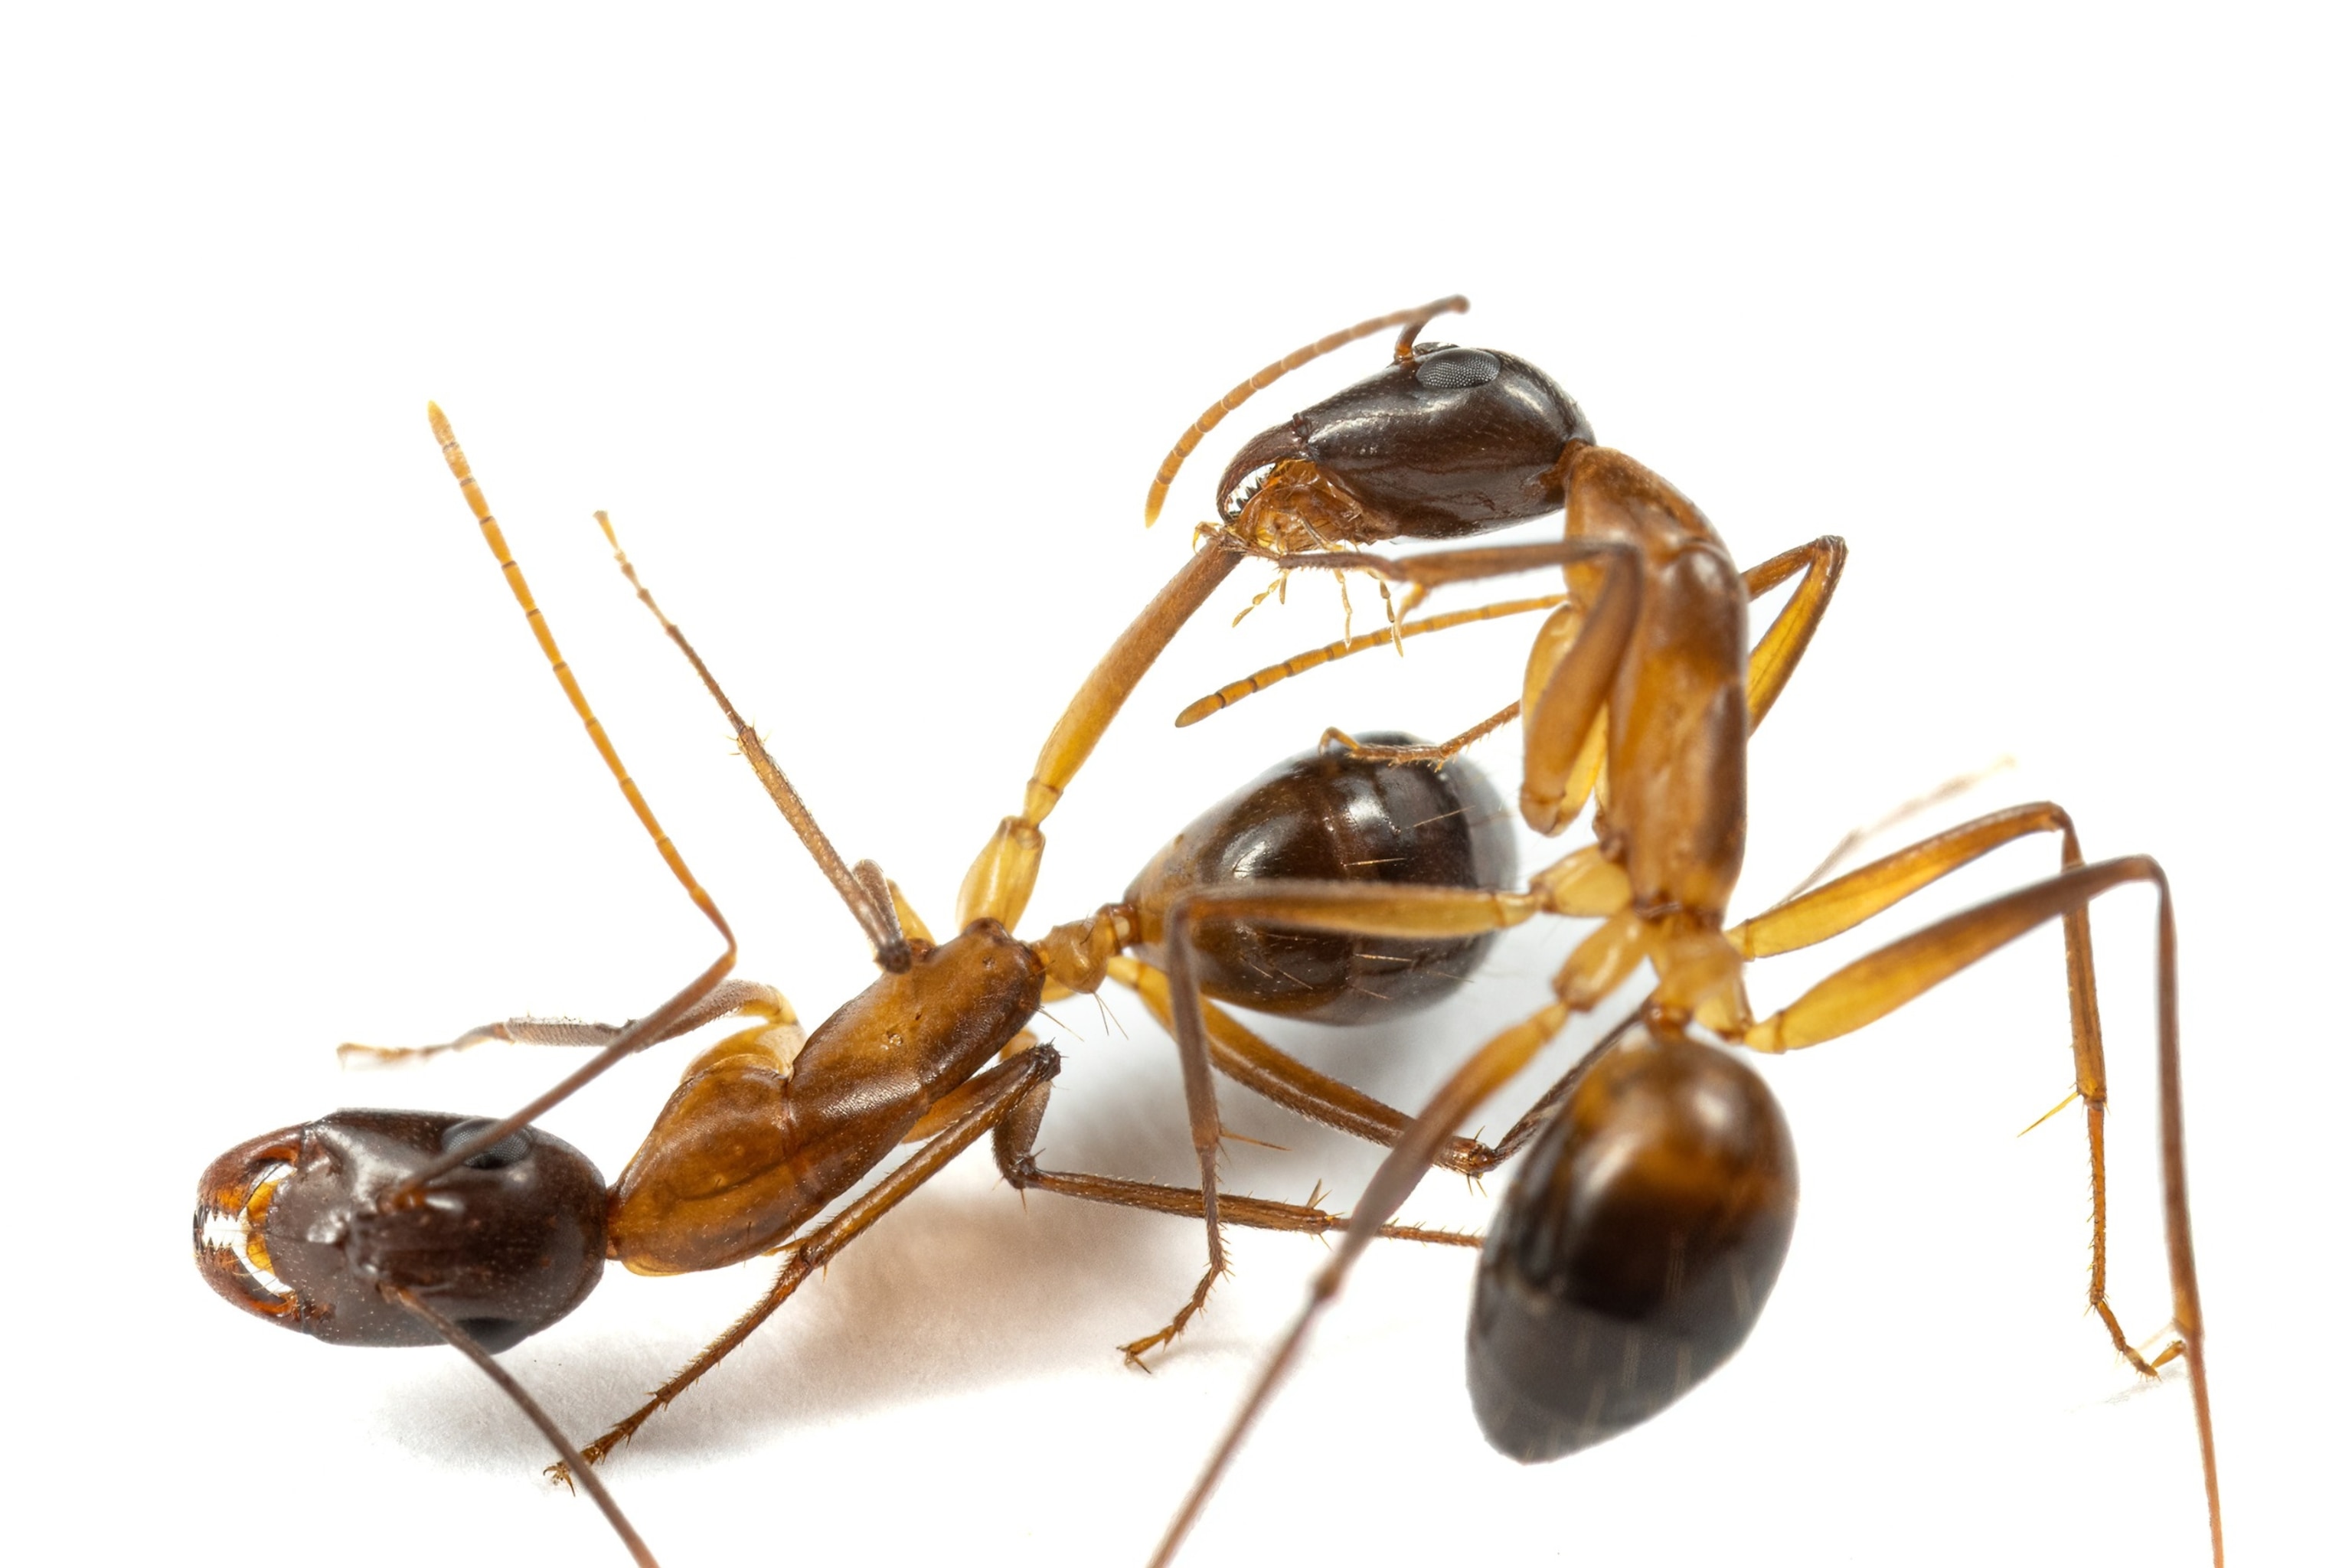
400 1227
1637 1243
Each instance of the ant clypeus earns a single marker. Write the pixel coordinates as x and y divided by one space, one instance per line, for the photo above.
402 1227
1637 1243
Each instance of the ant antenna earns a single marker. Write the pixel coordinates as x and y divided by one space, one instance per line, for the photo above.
868 900
654 1025
1413 319
577 1465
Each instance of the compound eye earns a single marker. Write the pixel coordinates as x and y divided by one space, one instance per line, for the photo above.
510 1150
1450 370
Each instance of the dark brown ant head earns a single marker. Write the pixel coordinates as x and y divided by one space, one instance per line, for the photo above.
1445 442
299 1226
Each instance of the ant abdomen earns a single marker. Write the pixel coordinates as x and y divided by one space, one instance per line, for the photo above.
1331 815
1634 1251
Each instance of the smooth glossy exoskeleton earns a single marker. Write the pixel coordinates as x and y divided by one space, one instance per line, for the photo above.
1639 694
1634 1249
292 1227
1333 815
1390 449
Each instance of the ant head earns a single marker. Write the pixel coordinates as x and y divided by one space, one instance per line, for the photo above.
1445 441
295 1226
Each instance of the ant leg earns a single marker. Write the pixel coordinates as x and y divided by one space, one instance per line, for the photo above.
648 1029
1275 1075
1839 906
995 1094
1016 1148
1376 911
748 998
1876 984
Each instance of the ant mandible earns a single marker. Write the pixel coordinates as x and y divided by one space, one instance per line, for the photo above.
1635 1247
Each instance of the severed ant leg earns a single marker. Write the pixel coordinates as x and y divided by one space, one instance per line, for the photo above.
748 998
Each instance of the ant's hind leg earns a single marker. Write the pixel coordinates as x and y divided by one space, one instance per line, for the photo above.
1878 984
746 998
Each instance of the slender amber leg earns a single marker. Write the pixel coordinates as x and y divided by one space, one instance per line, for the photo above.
1876 984
748 998
1839 906
999 1092
1277 1076
653 1026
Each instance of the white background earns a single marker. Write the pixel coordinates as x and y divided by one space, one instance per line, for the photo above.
870 333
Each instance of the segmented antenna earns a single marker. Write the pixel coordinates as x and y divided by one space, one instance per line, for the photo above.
1215 414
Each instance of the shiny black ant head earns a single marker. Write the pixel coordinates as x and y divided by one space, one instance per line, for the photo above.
1445 441
293 1227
